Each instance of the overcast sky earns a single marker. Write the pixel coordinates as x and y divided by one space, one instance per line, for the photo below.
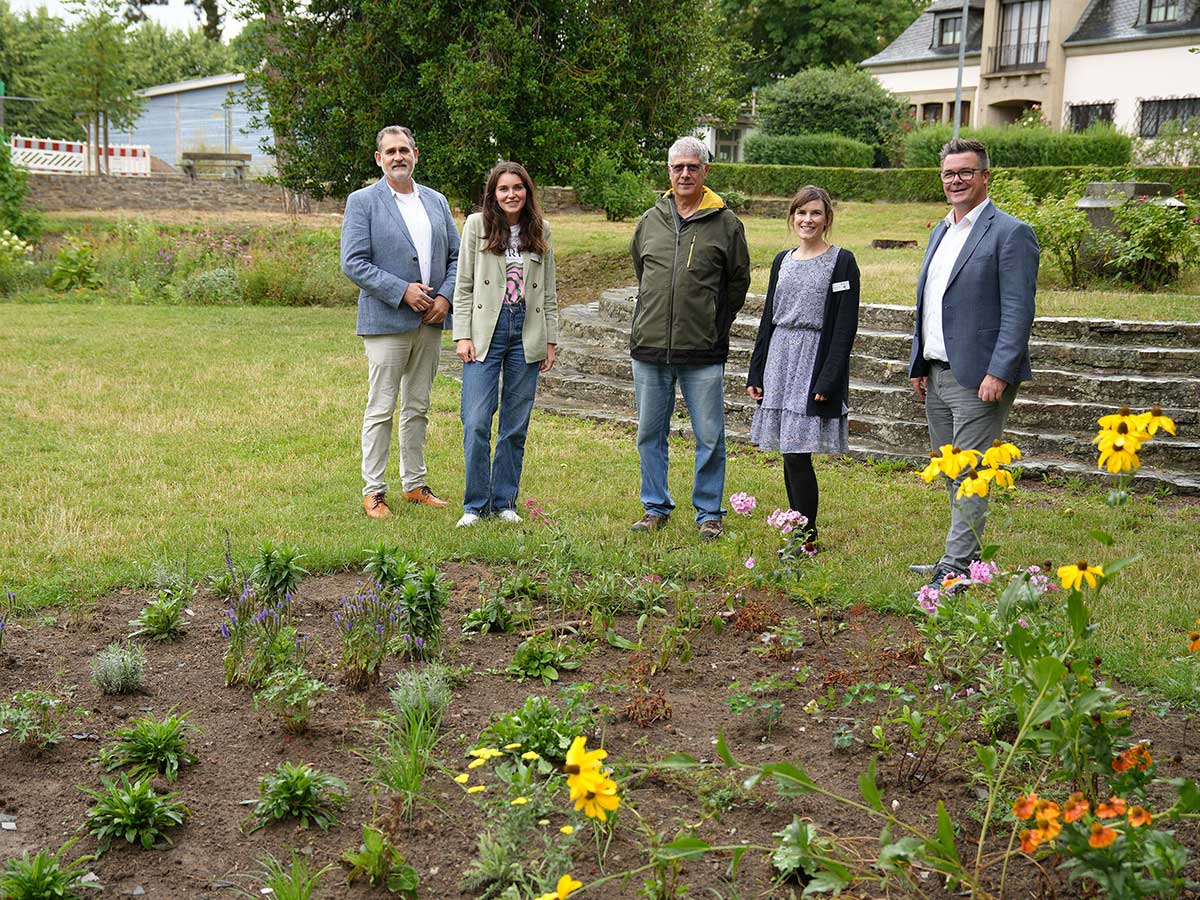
174 15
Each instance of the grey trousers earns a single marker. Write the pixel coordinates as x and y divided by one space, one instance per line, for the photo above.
399 366
957 416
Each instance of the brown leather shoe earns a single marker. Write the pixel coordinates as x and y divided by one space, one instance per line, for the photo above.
375 506
425 496
649 522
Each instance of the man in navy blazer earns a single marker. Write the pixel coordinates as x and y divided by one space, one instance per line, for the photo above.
971 342
400 246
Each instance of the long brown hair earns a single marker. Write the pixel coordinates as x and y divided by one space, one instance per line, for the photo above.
495 226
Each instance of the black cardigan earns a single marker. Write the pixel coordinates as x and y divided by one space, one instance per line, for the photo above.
831 374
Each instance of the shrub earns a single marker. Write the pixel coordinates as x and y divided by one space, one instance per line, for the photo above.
133 812
151 747
1100 145
622 194
300 791
212 287
35 719
13 212
291 693
119 670
808 150
845 101
1154 242
1176 144
45 876
75 267
542 726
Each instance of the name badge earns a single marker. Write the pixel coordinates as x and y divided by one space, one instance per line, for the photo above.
841 285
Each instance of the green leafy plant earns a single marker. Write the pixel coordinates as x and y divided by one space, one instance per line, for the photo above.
291 693
1156 241
388 567
162 618
289 882
151 747
544 657
220 286
45 876
277 572
420 604
806 857
490 615
35 719
75 267
297 790
382 864
133 812
119 669
621 193
543 726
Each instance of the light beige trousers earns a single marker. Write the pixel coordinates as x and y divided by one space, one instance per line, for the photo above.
399 366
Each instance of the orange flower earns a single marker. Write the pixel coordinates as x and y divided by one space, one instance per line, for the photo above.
1194 638
1101 836
1030 838
1023 808
1075 807
1110 810
1139 816
1047 812
1141 753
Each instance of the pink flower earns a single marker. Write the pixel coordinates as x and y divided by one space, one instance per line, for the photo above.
1022 623
982 572
749 562
787 521
929 599
742 503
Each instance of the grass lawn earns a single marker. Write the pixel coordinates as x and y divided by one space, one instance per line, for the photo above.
136 436
594 253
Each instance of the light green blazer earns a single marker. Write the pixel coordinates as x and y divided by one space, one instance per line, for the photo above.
479 294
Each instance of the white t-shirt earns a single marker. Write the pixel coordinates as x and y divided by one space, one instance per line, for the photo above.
938 278
416 220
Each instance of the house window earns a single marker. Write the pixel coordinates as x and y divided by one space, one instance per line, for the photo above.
728 142
1084 115
1163 11
949 31
965 116
1024 34
931 112
1157 113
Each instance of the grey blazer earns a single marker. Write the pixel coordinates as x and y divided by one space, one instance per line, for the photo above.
379 256
987 310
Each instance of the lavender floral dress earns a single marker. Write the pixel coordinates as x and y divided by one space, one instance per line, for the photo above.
798 311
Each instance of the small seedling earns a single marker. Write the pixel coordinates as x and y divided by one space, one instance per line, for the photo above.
491 615
35 719
382 863
162 619
133 812
291 693
119 670
300 791
151 747
543 657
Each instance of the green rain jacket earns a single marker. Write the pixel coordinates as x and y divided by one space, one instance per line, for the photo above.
692 280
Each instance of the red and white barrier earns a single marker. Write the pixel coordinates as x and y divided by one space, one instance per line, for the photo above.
71 157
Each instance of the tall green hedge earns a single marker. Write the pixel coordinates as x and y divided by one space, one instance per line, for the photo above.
1101 145
907 185
808 150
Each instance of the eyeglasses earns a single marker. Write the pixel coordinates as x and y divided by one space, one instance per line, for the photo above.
690 168
963 175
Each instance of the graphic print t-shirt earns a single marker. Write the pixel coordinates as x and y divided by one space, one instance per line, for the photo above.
514 268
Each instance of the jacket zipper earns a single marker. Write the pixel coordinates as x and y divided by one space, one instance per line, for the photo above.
674 278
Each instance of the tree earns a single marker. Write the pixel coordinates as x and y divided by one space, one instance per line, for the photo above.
27 44
207 11
161 56
789 35
91 70
546 82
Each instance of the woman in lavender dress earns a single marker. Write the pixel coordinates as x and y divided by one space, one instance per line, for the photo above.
800 368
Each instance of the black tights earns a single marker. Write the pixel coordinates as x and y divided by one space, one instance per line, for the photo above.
801 483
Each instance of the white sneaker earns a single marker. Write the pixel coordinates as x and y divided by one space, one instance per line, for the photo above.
467 520
508 515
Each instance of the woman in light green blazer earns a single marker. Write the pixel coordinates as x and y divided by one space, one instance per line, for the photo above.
505 332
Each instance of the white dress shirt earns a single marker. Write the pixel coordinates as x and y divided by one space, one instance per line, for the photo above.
416 220
938 277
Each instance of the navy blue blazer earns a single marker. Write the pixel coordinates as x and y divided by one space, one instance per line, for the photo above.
987 310
378 254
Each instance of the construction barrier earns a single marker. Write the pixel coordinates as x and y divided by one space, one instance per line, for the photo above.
72 157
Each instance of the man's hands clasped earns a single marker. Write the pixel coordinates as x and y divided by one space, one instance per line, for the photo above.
421 299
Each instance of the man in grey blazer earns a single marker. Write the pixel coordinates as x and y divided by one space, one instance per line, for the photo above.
400 246
971 342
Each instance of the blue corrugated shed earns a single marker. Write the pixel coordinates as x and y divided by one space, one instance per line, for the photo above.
204 114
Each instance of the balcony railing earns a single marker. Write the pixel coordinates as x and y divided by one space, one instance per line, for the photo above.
1016 57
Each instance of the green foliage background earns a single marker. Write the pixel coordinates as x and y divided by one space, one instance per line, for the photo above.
808 150
1100 145
549 84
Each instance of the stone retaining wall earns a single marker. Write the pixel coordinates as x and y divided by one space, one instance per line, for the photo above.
55 193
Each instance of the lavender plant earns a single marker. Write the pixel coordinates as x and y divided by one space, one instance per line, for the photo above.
367 622
261 639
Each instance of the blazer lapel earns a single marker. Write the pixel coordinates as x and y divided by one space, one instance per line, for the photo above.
982 224
389 202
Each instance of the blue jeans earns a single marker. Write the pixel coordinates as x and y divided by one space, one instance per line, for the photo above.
493 483
703 389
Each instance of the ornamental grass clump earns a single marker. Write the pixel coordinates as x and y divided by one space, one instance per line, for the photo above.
133 812
119 669
297 790
150 747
